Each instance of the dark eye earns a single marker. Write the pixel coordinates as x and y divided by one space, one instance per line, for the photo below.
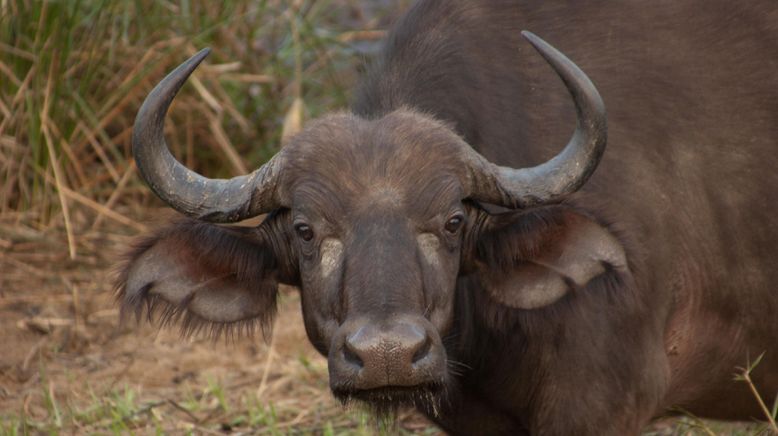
454 223
304 231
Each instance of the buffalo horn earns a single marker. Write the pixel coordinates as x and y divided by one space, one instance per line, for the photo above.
566 172
215 200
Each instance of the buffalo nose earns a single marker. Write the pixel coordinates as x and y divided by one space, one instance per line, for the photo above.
399 353
398 347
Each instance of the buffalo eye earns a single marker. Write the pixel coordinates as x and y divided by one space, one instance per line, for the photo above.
304 231
454 223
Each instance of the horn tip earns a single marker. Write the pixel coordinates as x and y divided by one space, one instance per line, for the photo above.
539 43
200 55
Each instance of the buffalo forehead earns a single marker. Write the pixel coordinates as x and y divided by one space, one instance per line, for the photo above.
395 144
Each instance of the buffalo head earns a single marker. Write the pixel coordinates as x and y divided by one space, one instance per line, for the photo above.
375 220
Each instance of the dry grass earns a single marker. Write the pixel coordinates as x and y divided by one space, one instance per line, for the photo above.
72 75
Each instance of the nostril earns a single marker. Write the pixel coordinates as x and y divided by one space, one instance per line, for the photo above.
352 357
422 351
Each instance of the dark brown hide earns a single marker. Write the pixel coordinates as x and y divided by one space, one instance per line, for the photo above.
688 177
638 295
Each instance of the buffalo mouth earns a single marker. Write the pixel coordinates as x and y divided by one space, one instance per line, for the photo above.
387 400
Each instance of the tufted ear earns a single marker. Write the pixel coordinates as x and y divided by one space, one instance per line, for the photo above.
530 259
207 276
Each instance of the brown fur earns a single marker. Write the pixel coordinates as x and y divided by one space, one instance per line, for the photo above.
686 190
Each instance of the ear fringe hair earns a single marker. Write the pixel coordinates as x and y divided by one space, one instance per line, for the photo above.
216 245
162 314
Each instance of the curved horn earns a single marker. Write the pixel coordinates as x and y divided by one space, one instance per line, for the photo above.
215 200
566 172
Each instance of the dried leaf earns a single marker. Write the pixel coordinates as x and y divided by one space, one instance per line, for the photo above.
293 120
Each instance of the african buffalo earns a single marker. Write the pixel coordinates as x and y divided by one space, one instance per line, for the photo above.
448 258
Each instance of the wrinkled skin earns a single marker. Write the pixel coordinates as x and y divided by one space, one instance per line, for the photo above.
640 294
372 233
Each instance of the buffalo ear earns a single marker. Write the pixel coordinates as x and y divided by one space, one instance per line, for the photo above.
205 276
531 259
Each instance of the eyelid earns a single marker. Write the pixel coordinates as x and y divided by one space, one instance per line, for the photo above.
456 213
299 219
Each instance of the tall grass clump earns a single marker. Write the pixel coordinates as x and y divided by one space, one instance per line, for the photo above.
73 74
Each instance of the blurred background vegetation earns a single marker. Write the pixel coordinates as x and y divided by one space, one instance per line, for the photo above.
73 74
